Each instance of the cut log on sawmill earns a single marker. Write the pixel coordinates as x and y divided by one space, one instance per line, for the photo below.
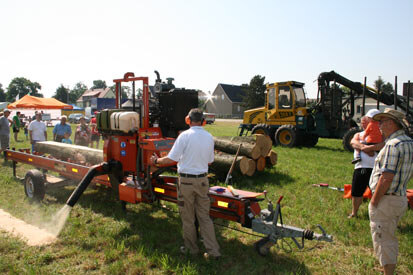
231 147
264 142
271 159
75 153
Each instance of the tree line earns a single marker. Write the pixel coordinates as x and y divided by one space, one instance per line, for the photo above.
21 86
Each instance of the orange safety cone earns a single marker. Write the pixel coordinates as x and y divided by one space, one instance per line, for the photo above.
347 192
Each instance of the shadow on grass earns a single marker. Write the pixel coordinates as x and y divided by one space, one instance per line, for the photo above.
326 148
160 237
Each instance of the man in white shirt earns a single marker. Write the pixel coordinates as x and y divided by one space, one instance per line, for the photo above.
194 151
37 131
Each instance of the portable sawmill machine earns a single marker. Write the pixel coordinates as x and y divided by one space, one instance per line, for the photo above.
131 137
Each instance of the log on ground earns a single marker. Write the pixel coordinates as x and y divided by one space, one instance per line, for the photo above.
271 159
264 142
222 163
75 153
231 147
260 164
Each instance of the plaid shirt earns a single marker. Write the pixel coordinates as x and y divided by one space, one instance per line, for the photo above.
396 157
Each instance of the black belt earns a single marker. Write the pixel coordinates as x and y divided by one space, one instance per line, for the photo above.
183 175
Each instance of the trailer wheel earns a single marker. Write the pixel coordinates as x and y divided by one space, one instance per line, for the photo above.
263 246
348 136
286 136
34 187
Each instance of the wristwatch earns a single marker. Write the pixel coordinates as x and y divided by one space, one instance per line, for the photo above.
156 161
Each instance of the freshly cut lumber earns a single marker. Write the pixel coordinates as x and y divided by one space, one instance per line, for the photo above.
260 164
64 151
271 159
231 147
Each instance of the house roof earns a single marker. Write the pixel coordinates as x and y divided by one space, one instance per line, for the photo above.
100 93
233 92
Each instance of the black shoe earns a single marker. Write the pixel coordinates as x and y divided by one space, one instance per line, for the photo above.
354 161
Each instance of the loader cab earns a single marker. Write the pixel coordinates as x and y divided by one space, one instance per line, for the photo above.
284 99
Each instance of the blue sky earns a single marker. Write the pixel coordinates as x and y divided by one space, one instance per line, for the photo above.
203 43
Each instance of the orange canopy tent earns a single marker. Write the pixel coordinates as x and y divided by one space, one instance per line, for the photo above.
32 102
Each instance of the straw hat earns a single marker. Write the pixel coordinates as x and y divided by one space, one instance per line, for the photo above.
395 115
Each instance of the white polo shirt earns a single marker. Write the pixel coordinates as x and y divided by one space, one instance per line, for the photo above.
193 150
38 128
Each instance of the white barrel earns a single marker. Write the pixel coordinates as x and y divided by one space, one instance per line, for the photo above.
124 121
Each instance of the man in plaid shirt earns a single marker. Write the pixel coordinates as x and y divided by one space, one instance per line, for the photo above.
392 171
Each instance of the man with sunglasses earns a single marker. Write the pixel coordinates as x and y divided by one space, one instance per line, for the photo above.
392 171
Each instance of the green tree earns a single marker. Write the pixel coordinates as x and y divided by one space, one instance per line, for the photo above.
22 86
77 92
387 88
378 84
98 84
62 94
2 94
254 93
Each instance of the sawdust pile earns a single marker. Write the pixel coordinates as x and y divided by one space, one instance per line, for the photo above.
33 235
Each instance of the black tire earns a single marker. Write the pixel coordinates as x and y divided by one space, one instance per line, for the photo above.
34 187
309 140
348 136
286 136
260 129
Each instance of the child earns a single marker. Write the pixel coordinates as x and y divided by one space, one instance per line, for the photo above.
372 134
26 131
67 139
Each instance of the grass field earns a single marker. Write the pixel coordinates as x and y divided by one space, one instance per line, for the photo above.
99 238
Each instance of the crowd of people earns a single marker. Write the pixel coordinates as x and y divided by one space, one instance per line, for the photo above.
35 130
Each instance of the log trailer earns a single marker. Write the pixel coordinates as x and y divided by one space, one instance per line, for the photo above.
126 168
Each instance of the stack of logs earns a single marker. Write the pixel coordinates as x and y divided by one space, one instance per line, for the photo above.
255 155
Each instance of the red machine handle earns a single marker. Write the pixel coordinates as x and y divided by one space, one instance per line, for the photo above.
280 199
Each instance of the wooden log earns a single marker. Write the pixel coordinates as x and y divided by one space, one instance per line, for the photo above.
264 142
271 159
231 147
75 153
247 166
222 163
261 163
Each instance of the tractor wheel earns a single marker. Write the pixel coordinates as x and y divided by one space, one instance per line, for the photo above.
310 140
260 129
263 246
286 136
348 136
34 187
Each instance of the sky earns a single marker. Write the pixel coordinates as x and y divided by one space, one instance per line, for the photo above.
203 43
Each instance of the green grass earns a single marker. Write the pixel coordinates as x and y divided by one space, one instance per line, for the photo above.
99 238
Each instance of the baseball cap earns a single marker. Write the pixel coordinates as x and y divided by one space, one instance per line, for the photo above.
372 112
6 110
395 115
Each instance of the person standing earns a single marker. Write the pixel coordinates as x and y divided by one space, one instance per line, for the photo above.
4 130
82 134
364 167
392 171
95 134
60 129
16 126
37 131
194 151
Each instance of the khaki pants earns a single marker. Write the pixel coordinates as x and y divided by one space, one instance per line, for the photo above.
193 200
383 225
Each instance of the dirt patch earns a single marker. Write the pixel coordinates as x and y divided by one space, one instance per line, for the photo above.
33 235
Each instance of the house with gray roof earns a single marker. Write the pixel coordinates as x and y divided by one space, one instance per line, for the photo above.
226 101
